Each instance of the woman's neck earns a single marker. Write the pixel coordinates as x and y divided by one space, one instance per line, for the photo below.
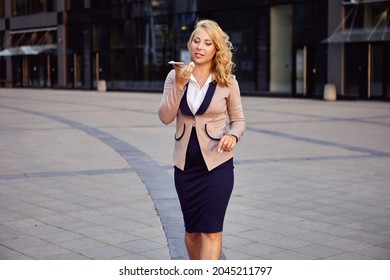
202 69
201 73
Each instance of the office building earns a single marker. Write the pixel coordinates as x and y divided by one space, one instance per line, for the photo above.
282 48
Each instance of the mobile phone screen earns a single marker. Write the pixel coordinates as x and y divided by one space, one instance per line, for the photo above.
176 62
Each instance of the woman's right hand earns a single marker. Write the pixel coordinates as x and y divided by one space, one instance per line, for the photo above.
183 75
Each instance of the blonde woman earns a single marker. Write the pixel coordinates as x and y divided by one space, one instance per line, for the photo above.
204 99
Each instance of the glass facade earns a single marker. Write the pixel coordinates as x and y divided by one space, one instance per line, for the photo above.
127 46
128 43
281 47
243 37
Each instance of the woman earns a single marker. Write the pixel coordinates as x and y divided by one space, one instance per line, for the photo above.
203 97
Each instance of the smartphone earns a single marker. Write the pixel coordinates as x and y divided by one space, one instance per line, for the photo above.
176 62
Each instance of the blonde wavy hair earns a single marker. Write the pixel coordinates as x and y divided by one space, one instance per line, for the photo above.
222 64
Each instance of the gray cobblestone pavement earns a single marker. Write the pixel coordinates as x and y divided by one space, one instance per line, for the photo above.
88 175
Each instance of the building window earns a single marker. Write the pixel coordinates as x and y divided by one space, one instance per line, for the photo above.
242 36
33 38
85 4
368 15
27 7
376 15
1 8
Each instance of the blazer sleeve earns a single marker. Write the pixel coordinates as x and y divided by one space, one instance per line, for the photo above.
170 102
235 111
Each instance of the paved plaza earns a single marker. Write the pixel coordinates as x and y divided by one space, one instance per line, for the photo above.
88 175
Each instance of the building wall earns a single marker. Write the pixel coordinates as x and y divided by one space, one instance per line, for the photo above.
280 45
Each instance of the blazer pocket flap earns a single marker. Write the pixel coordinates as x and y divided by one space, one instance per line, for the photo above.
179 135
214 133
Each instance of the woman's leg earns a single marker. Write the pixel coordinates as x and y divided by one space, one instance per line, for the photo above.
204 246
193 243
211 246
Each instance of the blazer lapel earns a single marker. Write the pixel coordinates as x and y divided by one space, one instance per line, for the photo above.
207 99
185 109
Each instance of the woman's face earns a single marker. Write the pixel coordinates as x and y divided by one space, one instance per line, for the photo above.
202 48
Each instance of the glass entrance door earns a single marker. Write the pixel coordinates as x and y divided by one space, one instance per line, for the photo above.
375 64
356 70
376 71
367 70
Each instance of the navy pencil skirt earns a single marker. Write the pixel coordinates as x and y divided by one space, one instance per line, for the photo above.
203 194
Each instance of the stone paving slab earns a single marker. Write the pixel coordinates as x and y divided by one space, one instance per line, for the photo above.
88 175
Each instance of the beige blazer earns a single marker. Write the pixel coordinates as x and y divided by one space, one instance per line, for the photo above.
224 115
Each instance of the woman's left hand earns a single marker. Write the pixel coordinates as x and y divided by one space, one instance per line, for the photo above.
227 143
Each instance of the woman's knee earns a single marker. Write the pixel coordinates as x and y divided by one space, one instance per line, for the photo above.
193 235
212 236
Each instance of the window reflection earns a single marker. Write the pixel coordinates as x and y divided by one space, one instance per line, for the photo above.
26 7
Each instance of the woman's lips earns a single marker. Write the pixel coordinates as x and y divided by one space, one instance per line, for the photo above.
198 55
